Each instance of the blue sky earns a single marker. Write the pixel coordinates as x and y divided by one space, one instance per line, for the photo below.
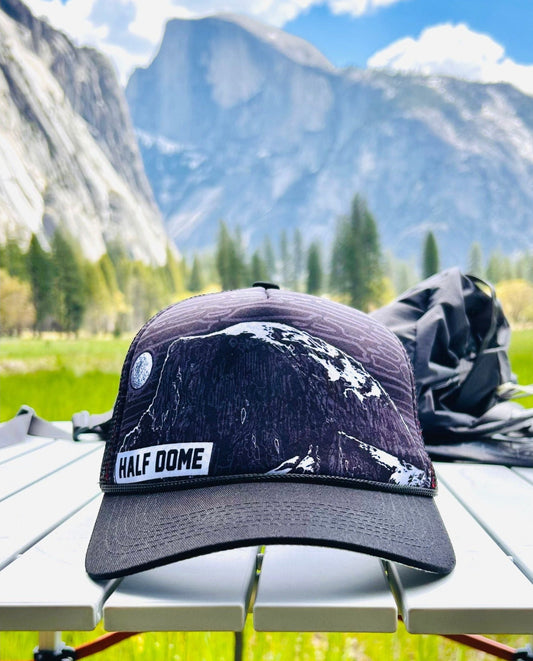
349 40
485 40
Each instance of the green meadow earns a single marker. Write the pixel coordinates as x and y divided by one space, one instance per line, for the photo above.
60 376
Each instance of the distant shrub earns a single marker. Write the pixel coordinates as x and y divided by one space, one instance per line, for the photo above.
516 297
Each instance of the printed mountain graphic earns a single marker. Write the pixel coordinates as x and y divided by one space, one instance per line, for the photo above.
274 399
243 122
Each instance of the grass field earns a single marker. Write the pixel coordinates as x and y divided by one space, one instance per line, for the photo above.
58 377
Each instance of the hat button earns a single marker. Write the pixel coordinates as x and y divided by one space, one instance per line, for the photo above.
266 285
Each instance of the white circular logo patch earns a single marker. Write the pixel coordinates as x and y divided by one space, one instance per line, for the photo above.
141 370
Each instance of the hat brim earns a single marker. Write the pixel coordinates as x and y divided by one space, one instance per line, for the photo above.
135 532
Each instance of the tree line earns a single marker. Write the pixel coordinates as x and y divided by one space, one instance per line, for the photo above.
354 272
60 290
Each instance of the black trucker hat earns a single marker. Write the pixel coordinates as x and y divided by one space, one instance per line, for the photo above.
264 416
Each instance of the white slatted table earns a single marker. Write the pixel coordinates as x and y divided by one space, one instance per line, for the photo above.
49 496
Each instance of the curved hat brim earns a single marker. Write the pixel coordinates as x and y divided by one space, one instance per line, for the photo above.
135 532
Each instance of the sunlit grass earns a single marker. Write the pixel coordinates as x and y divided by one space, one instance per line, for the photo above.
24 355
260 646
58 377
521 357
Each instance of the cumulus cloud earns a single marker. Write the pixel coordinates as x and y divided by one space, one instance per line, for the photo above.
455 50
129 31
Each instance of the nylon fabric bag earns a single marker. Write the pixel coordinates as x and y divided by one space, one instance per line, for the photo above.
457 337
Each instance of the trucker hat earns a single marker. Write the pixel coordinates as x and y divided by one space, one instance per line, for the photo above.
262 416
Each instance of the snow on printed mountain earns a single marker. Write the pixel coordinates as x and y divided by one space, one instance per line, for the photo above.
338 365
307 464
273 399
402 472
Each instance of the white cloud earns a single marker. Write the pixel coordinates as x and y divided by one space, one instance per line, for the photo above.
358 7
129 31
455 50
72 18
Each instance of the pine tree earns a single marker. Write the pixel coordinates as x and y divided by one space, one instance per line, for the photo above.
356 263
147 292
69 284
172 274
524 267
338 281
430 256
314 270
269 258
494 269
298 259
100 315
196 283
230 261
41 276
373 262
475 260
108 271
223 255
242 267
499 268
508 270
284 259
13 259
258 269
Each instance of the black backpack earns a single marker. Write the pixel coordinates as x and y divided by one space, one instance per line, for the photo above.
457 338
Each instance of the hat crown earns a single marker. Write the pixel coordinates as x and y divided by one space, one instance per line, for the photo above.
262 397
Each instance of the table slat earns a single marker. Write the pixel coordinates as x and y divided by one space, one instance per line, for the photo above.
305 588
47 587
29 444
207 593
526 473
33 466
502 502
32 513
485 593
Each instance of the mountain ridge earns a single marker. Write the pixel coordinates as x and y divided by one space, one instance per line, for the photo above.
235 131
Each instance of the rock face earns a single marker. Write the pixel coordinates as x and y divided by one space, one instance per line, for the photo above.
246 123
68 154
